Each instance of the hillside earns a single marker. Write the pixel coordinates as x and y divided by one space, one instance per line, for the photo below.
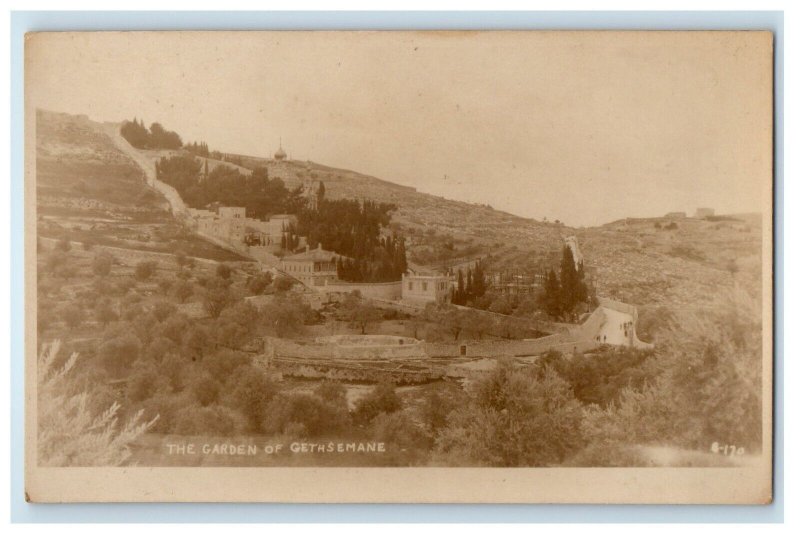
630 259
647 262
439 231
636 260
88 191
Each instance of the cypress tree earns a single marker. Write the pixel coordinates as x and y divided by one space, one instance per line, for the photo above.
478 281
552 295
458 298
570 292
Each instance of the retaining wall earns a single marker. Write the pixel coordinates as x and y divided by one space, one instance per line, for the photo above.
382 290
621 307
494 349
587 330
281 347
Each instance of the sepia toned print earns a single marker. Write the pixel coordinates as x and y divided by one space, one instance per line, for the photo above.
399 266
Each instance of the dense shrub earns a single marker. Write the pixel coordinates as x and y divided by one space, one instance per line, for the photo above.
183 290
158 348
382 399
208 421
144 270
64 244
167 406
173 327
249 390
283 283
514 418
215 300
119 350
73 315
286 316
599 377
438 402
162 309
144 382
316 415
101 264
196 341
258 283
224 271
105 313
708 388
406 443
222 363
205 388
70 432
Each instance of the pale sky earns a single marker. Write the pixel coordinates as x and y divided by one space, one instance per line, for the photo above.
585 127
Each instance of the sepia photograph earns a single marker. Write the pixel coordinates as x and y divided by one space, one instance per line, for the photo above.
399 266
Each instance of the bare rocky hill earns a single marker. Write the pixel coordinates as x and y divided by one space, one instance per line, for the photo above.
650 262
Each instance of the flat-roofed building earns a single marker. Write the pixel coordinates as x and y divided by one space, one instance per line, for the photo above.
424 288
675 215
313 267
231 212
702 213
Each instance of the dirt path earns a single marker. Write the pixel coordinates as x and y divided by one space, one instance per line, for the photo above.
149 169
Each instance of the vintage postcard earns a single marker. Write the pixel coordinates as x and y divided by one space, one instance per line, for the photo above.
399 266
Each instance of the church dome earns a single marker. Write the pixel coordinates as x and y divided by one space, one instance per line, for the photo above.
280 154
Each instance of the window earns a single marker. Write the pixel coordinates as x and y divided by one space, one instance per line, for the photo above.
424 286
411 286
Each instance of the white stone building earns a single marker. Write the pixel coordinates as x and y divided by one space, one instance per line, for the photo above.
425 288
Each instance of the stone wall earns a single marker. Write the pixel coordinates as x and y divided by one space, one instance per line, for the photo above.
495 348
621 307
587 330
382 290
322 351
627 309
359 374
384 352
399 305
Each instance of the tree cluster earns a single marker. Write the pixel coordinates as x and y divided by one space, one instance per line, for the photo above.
563 293
257 193
198 149
137 134
513 418
471 287
353 229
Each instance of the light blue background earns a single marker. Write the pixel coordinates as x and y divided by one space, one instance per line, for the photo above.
22 22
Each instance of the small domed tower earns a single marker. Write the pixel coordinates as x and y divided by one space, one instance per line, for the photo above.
280 155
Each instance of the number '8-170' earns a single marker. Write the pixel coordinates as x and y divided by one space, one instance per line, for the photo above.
727 450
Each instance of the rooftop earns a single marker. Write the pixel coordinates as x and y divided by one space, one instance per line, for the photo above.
317 254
